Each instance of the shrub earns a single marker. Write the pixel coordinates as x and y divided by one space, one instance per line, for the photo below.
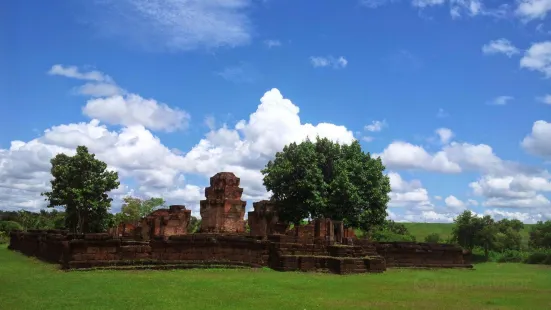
389 236
432 238
8 226
511 256
540 256
4 238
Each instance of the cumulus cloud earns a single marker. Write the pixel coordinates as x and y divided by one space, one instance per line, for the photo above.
329 61
376 126
538 58
409 194
533 9
445 135
133 151
404 155
455 204
247 147
113 105
175 25
134 110
500 46
538 141
156 170
454 157
515 192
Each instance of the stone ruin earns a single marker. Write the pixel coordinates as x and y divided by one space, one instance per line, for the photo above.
161 240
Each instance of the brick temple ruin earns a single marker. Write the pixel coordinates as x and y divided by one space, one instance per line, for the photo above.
161 240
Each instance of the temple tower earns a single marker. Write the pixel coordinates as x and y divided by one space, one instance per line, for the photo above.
223 211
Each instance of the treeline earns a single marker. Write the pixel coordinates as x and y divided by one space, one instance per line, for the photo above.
132 210
486 238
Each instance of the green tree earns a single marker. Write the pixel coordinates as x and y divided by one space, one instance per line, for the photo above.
508 236
390 231
540 235
80 184
470 231
133 209
194 225
432 238
325 179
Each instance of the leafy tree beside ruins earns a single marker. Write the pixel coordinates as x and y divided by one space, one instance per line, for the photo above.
326 179
133 209
80 184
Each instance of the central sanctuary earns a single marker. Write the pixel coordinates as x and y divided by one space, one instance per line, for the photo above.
161 240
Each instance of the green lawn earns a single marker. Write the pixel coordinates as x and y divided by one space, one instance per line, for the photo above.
421 230
26 283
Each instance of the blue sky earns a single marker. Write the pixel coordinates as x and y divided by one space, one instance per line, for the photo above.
450 94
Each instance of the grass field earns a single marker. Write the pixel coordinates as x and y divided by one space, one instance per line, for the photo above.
421 230
26 283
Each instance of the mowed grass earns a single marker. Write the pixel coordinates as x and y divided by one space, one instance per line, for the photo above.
26 283
421 230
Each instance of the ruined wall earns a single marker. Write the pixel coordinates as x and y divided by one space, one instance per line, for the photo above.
264 221
103 250
411 254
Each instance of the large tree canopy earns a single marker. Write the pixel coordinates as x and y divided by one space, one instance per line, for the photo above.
326 179
80 184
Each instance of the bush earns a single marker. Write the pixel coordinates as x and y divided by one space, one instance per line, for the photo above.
432 238
389 236
540 256
4 238
511 256
8 226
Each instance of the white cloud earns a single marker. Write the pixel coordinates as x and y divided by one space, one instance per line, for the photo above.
524 217
444 134
472 202
329 61
247 147
501 100
545 99
134 152
115 106
376 126
272 43
538 58
423 217
538 141
427 3
403 155
134 110
155 169
74 73
176 25
406 194
500 46
455 204
516 191
100 90
533 9
454 157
